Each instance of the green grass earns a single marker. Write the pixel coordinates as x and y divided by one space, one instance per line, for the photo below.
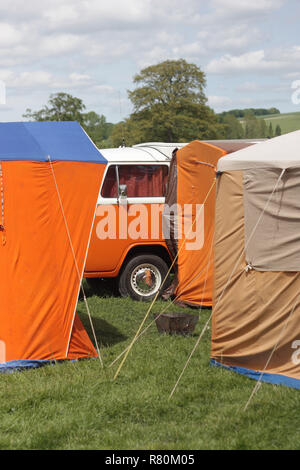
288 122
77 405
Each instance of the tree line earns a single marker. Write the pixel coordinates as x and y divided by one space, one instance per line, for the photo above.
249 127
240 113
169 105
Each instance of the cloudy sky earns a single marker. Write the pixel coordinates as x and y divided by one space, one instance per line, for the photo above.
249 50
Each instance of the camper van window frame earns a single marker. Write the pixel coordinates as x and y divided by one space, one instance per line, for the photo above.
117 167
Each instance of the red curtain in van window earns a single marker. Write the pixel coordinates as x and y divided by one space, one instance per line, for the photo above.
144 180
141 180
109 188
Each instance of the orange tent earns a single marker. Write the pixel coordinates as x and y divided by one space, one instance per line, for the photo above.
50 175
188 218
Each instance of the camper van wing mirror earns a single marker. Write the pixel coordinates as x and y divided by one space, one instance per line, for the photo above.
123 193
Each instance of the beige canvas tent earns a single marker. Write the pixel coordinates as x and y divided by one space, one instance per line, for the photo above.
256 298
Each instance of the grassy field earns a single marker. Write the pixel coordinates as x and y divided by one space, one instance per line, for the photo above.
288 122
78 405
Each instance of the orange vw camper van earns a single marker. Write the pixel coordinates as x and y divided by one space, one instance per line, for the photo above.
127 241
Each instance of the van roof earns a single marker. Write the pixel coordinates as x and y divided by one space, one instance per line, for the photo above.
166 148
162 151
139 153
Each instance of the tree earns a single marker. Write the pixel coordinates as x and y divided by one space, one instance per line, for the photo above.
65 107
262 128
126 133
232 128
239 113
278 130
170 104
168 83
61 107
270 131
97 128
251 126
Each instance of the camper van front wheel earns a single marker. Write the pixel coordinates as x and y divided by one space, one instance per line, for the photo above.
142 277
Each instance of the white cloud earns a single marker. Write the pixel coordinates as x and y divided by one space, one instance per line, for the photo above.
219 101
104 89
91 47
137 28
246 7
236 38
9 35
46 80
58 44
254 62
86 16
266 87
80 77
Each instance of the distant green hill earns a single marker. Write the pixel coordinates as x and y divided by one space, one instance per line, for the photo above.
288 122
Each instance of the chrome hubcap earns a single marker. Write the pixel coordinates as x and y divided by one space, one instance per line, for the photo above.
145 279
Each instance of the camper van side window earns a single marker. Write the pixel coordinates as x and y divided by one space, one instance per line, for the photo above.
144 180
109 188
